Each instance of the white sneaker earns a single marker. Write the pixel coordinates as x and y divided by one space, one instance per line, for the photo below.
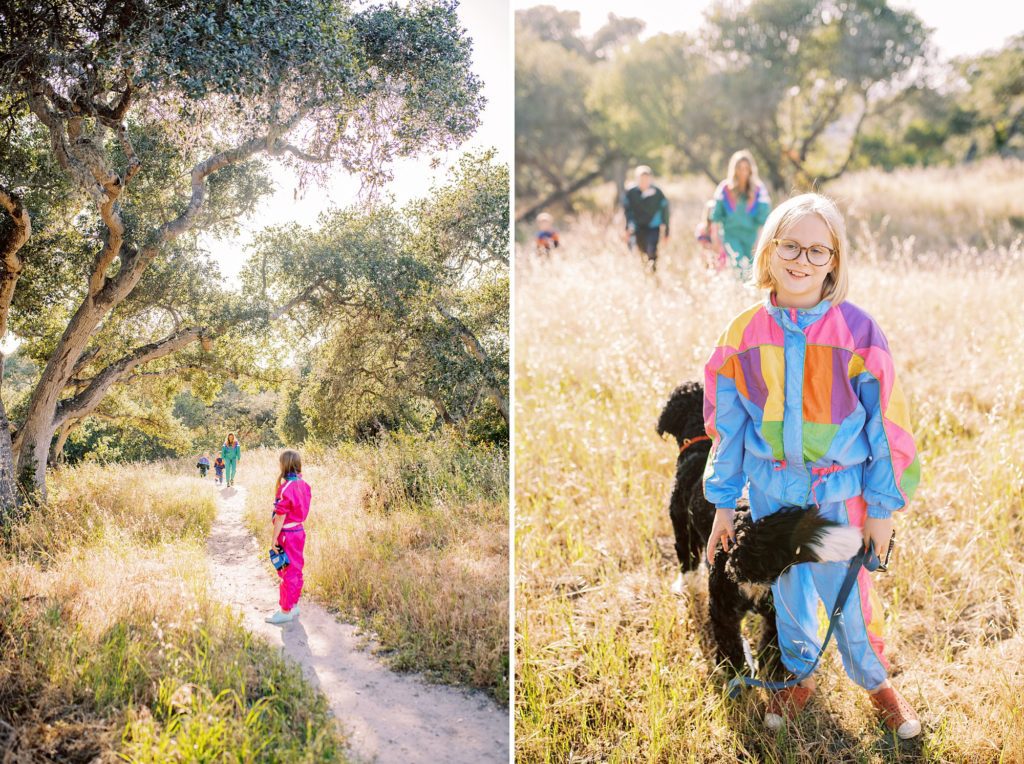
281 617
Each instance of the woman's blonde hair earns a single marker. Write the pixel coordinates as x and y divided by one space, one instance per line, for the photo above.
837 282
743 156
290 462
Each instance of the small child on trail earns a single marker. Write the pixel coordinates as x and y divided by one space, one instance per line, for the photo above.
291 507
203 465
804 409
547 237
218 468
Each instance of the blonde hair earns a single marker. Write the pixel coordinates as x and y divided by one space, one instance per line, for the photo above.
542 217
743 156
837 282
642 169
290 461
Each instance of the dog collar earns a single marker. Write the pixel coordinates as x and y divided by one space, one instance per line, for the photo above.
690 441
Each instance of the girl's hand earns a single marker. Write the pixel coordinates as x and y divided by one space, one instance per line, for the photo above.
878 531
722 530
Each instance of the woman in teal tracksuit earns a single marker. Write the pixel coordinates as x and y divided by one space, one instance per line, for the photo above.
741 207
231 453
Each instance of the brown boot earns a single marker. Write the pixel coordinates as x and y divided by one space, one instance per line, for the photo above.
786 704
896 713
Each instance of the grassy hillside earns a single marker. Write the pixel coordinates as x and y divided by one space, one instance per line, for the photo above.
410 538
113 649
610 666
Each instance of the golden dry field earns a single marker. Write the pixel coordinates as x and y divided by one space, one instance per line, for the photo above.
609 665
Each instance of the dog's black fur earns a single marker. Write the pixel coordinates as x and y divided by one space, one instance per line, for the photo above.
739 580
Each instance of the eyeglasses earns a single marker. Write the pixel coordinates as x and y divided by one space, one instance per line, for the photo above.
817 254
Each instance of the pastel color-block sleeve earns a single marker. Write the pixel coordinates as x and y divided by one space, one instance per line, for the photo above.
725 421
893 470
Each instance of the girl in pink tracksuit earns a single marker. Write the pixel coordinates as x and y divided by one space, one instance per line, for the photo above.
291 507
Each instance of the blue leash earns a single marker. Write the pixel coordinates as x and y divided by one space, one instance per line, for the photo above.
865 557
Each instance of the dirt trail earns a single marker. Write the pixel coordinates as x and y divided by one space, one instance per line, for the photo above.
389 717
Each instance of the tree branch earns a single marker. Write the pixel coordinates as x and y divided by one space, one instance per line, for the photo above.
10 245
61 149
472 345
820 123
853 146
85 402
280 148
561 194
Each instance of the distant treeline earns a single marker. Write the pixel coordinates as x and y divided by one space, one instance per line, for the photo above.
813 88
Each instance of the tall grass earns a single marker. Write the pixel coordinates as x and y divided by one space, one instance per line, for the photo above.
113 647
409 537
610 666
934 210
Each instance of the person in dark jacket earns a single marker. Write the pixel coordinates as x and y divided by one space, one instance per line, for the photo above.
646 214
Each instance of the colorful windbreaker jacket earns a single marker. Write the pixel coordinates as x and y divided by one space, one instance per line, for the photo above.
805 405
292 499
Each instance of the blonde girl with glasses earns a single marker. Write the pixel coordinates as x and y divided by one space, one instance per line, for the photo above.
804 409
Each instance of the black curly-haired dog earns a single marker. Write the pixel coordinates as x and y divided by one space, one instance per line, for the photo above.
739 581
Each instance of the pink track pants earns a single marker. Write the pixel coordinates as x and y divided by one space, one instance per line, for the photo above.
291 577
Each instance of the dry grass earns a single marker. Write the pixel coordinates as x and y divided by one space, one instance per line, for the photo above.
936 210
114 649
609 665
411 539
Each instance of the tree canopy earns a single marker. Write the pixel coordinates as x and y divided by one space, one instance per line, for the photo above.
127 127
404 316
811 87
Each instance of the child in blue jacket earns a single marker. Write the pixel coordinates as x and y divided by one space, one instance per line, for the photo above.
804 408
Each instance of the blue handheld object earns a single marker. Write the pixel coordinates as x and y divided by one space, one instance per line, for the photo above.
279 558
872 562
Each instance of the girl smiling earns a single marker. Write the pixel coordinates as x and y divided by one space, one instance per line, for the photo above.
804 409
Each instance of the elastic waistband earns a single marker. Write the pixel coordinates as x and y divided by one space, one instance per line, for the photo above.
806 486
781 464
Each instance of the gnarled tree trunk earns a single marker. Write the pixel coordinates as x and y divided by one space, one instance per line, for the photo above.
46 411
473 347
13 236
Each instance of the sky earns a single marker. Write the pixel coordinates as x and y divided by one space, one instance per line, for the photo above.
488 24
959 27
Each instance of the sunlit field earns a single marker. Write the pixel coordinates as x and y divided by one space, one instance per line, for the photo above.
410 539
611 666
114 649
